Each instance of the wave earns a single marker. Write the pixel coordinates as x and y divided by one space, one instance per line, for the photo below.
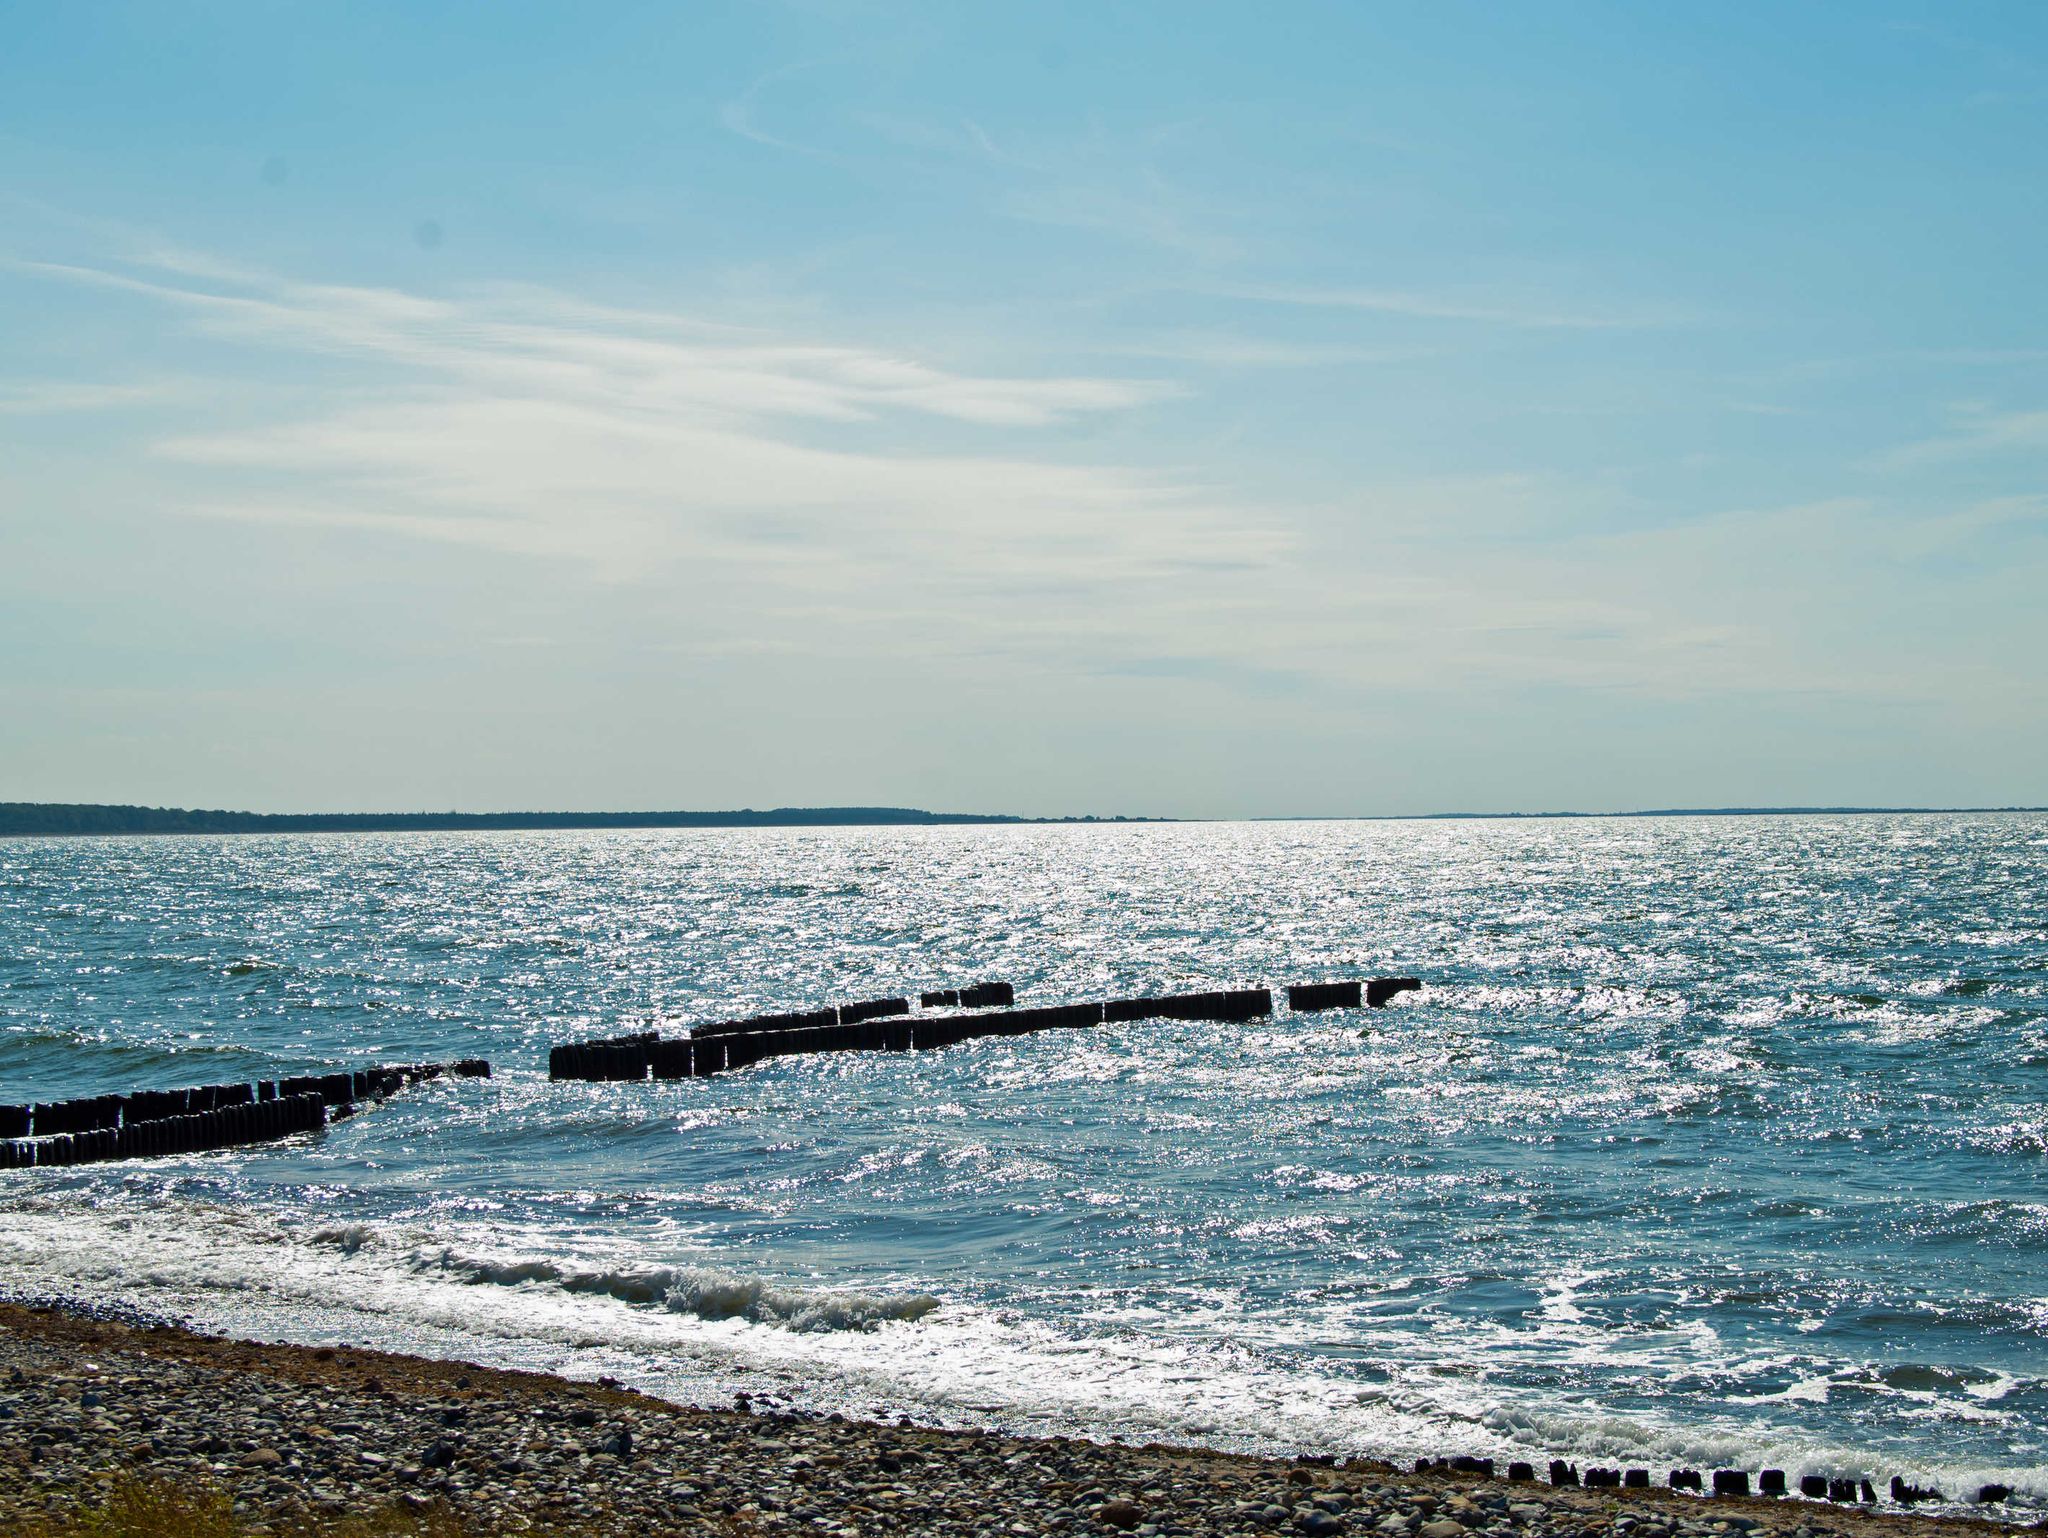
707 1292
697 1333
1930 1378
85 1060
346 1237
704 1291
1587 1435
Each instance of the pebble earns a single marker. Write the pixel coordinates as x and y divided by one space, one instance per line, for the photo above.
306 1437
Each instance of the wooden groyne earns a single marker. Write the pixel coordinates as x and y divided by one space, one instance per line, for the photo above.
887 1025
980 996
1770 1484
864 1025
1371 993
150 1123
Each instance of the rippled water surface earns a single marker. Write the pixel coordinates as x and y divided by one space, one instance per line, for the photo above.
1710 1140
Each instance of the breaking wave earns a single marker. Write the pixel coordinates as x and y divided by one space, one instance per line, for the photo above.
705 1291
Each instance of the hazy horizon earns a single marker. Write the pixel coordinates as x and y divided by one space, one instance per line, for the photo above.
21 819
1169 411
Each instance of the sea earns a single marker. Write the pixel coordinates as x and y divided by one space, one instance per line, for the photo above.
1708 1141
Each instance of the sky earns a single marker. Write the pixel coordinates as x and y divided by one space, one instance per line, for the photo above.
1177 409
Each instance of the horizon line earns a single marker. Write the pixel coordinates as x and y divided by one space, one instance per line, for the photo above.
59 819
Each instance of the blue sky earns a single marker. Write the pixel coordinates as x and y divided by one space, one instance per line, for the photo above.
1205 410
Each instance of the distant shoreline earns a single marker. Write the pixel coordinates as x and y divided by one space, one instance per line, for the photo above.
50 819
1668 811
62 819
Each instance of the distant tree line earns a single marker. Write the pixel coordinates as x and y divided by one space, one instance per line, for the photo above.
32 817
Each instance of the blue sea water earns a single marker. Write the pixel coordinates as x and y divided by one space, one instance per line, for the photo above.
1710 1140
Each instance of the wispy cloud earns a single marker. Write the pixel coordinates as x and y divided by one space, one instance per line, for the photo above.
530 341
1977 431
765 475
1143 209
1122 184
1228 350
849 501
39 397
742 115
1427 306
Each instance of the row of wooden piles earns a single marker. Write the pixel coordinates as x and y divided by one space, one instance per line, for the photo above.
1772 1483
887 1025
149 1124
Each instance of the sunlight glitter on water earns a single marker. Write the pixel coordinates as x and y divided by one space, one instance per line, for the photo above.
1709 1140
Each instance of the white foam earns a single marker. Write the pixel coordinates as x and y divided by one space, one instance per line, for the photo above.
697 1330
705 1291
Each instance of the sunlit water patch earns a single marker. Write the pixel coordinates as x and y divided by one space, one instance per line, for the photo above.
1710 1140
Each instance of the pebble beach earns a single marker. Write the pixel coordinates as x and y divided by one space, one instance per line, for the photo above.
302 1438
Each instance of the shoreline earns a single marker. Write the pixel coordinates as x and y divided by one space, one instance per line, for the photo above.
307 1438
66 820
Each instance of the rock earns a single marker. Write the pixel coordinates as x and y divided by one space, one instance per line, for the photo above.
527 1459
262 1458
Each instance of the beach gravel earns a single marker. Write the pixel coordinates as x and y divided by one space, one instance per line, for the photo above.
298 1435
